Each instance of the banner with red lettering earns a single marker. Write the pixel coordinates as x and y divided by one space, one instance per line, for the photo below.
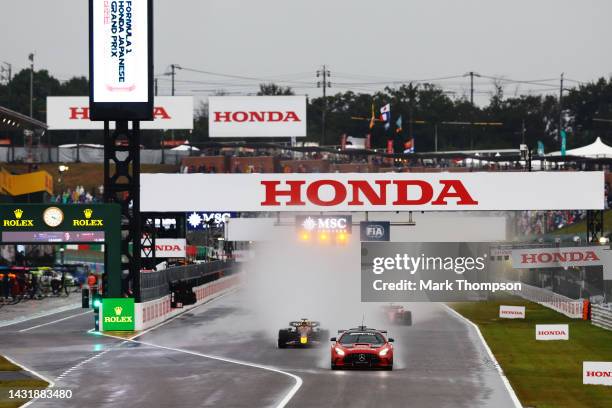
491 191
560 257
257 116
72 113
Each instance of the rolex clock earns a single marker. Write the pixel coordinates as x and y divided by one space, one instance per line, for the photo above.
53 216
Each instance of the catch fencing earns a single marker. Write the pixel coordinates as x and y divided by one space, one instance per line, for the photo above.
156 284
570 307
601 315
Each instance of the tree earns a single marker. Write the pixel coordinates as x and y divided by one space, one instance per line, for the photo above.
273 89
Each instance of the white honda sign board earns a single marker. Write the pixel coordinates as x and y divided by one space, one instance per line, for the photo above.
511 312
564 257
491 191
169 248
73 113
552 332
257 116
597 372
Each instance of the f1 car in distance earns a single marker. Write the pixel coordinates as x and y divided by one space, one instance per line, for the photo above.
362 347
302 333
396 314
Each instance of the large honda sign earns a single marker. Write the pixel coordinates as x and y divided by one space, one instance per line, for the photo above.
73 113
257 116
597 372
491 191
559 257
169 248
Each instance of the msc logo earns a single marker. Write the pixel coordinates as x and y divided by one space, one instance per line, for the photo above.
18 222
88 222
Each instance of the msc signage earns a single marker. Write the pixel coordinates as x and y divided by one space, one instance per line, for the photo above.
597 372
552 332
375 230
344 192
121 59
257 116
88 221
336 223
118 314
73 113
204 220
511 312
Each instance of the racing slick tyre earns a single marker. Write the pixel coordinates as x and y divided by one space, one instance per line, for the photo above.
283 338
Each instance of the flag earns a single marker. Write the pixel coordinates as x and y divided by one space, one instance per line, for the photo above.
31 57
540 148
409 146
373 119
398 125
563 143
385 115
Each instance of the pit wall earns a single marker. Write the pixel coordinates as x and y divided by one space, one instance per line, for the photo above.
154 312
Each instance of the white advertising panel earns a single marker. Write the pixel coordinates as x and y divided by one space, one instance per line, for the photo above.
120 51
552 332
257 116
511 312
597 372
491 191
72 113
170 248
564 257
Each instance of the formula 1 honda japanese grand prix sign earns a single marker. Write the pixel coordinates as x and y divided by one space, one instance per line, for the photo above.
121 59
560 257
72 113
491 191
257 116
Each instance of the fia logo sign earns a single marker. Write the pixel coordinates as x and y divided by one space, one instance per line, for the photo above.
375 231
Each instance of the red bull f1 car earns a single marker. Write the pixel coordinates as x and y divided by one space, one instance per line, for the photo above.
396 314
362 347
302 333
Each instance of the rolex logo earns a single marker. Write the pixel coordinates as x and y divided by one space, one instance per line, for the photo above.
118 310
87 212
18 213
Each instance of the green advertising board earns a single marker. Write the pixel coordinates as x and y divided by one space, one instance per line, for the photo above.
118 314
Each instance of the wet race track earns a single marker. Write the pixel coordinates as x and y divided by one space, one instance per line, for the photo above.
218 355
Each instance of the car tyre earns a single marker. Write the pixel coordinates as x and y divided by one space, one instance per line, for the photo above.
283 337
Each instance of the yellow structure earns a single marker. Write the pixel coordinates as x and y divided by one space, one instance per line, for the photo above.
20 184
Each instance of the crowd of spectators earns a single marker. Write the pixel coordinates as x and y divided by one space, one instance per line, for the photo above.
544 222
79 196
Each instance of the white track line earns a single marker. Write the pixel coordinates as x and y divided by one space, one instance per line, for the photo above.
515 400
40 315
54 321
34 373
281 404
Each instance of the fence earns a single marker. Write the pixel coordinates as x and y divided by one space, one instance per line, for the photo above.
562 304
601 315
154 285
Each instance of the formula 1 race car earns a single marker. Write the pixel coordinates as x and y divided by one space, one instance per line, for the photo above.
302 333
396 314
362 347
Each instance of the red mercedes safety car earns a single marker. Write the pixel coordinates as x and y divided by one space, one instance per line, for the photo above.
362 347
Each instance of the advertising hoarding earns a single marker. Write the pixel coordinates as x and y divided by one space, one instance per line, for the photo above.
73 113
511 312
257 116
198 220
121 59
344 192
552 332
597 372
118 314
168 248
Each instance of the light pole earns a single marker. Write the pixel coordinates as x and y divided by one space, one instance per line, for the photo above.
31 58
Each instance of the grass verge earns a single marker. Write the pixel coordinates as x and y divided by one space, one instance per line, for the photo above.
31 383
544 374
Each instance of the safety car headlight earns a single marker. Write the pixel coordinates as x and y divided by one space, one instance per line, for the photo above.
340 351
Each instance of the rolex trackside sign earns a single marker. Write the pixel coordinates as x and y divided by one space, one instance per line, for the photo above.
118 314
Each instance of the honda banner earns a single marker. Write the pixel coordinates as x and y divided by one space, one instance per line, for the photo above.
562 257
169 248
511 312
597 372
72 113
257 116
552 332
492 191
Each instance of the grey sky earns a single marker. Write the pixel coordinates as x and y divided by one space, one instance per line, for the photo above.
361 41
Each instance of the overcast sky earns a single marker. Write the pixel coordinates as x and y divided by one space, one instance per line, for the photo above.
362 42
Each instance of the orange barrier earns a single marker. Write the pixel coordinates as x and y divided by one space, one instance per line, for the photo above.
20 184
